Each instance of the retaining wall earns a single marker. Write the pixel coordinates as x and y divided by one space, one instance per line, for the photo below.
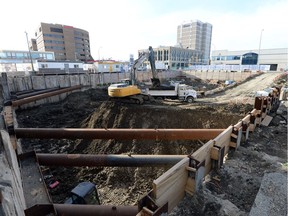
24 83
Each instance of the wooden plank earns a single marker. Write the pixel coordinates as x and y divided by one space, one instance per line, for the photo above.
233 144
204 151
190 186
246 119
266 121
8 117
13 141
223 139
253 112
174 194
214 154
169 179
239 124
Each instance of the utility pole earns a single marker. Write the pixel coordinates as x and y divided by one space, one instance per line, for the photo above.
29 51
259 49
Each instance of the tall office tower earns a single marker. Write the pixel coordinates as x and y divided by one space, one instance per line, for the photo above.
196 35
67 42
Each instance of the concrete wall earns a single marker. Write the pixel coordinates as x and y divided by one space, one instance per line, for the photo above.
23 83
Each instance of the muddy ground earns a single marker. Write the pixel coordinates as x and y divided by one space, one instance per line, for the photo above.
125 186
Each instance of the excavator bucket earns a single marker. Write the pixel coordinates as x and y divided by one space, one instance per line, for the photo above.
155 82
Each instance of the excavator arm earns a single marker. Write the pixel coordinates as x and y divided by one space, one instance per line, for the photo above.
144 56
155 80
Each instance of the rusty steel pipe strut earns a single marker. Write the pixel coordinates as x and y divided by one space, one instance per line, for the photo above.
42 96
118 134
33 93
99 210
90 160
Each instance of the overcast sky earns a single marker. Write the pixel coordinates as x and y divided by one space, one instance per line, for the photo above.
119 28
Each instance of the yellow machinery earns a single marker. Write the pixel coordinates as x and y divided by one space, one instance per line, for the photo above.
128 90
123 90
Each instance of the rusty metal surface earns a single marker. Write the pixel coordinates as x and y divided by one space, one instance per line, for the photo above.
40 209
77 160
118 134
21 95
83 210
99 210
41 96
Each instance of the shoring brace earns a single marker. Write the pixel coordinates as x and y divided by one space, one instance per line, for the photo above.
148 207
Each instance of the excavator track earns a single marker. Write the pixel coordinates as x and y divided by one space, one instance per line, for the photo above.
133 99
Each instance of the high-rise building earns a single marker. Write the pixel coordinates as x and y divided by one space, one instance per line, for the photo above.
67 42
196 35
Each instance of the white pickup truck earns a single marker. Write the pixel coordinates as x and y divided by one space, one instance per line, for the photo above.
178 91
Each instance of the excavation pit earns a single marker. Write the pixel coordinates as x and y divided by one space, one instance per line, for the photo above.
119 185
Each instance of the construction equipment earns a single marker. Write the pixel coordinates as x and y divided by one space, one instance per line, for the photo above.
84 193
128 90
176 90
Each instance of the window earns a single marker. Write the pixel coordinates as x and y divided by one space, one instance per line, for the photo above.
56 30
250 59
3 55
44 65
232 58
53 35
76 66
19 55
49 56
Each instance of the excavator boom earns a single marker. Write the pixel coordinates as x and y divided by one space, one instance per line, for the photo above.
131 92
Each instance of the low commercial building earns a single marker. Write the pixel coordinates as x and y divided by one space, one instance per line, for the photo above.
103 66
276 58
19 60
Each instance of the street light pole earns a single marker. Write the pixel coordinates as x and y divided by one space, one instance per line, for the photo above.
259 49
29 51
99 52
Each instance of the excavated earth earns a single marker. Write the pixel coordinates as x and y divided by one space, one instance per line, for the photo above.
119 186
125 186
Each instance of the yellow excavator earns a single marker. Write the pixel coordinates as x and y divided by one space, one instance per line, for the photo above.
127 90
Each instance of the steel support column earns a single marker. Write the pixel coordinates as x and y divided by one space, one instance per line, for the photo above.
120 134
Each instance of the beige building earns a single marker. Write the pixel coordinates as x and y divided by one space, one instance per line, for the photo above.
196 35
67 42
175 57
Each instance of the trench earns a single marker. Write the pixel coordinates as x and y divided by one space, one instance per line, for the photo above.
90 109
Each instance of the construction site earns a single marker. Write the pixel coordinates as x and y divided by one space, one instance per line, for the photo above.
222 153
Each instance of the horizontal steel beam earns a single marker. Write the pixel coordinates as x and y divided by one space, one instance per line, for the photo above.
21 95
42 96
118 134
78 160
99 210
83 210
